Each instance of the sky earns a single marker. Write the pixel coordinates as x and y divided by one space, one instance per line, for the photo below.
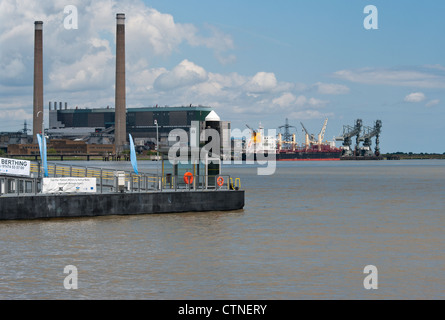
251 61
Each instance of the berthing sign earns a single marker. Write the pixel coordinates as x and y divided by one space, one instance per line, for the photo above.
15 167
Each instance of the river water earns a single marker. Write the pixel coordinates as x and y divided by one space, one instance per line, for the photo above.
306 232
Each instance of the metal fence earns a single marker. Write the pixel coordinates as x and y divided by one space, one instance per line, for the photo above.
19 185
115 180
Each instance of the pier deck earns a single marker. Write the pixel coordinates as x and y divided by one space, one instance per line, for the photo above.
22 198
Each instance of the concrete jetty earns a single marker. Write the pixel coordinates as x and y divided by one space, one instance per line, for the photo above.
43 206
72 191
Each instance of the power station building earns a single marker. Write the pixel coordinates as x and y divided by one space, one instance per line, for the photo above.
98 125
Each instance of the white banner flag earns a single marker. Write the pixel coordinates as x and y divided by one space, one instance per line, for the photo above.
69 185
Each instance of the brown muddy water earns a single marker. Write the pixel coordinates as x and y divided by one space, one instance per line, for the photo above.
306 232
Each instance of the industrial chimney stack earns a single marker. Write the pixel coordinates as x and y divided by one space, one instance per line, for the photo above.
38 80
120 125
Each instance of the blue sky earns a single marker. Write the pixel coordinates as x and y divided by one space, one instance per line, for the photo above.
253 61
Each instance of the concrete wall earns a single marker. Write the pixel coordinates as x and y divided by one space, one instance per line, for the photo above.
88 205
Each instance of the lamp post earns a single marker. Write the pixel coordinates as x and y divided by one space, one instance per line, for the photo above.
43 122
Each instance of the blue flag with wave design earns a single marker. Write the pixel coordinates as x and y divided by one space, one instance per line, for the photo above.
42 147
133 155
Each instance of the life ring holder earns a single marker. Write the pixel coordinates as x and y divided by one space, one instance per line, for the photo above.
188 178
220 181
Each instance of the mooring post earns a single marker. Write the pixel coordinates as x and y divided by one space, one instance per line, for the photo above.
101 181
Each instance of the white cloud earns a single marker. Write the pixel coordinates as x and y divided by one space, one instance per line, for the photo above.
261 82
415 97
185 74
316 103
91 71
142 78
288 99
308 114
331 88
19 114
285 100
149 28
219 42
301 101
432 103
420 77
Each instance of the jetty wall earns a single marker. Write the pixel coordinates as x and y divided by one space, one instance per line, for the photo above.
43 206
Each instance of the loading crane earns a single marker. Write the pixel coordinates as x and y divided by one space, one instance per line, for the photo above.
348 133
254 134
369 133
321 134
256 140
310 138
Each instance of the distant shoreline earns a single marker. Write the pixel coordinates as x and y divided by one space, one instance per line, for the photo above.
414 156
387 156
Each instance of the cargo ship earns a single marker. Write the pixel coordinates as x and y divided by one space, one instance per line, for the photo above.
286 148
326 153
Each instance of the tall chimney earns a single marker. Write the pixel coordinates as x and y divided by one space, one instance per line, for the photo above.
120 113
38 80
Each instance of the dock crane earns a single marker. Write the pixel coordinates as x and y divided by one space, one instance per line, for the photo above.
369 133
348 133
256 139
254 134
310 138
321 134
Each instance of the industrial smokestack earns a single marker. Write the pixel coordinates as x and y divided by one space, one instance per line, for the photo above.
38 80
120 113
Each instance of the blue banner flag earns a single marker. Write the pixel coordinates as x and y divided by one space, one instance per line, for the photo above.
133 155
42 146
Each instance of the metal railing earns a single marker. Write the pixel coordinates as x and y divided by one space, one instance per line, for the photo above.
19 185
197 182
108 180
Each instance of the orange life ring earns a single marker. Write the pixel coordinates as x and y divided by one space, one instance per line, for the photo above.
188 178
220 181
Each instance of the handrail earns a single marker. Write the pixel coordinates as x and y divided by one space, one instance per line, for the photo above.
107 181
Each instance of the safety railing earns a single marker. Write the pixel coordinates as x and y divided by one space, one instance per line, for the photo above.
198 182
19 185
116 180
